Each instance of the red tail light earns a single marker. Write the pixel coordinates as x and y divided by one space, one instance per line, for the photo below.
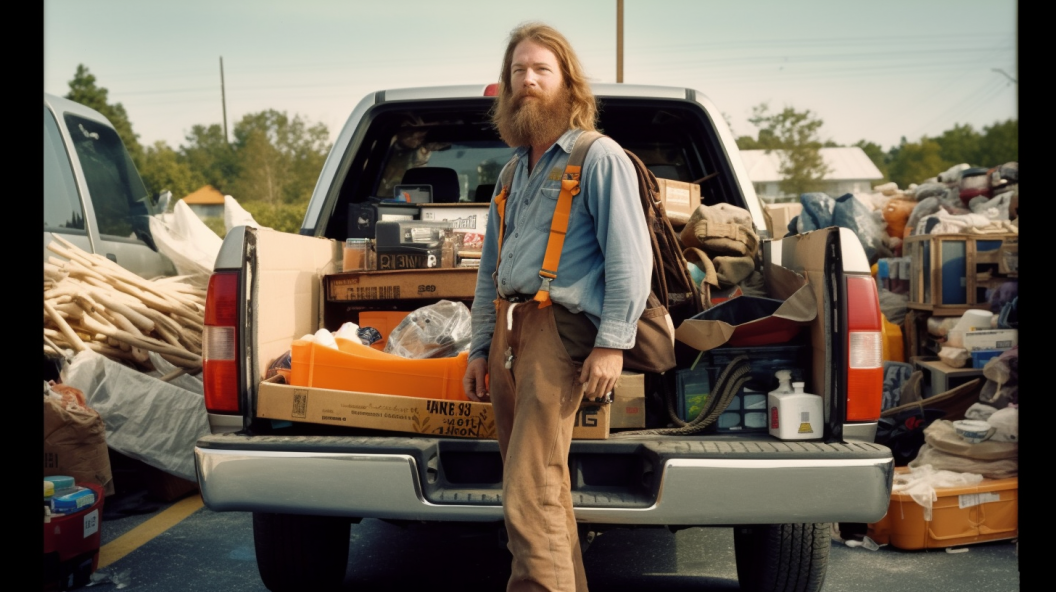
220 344
491 90
865 370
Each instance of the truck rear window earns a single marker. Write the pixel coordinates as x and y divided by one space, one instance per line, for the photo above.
119 198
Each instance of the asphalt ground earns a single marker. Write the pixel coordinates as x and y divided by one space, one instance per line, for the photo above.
175 545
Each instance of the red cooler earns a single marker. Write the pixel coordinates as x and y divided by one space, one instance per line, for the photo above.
71 544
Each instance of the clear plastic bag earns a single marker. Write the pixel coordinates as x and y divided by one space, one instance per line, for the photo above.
439 330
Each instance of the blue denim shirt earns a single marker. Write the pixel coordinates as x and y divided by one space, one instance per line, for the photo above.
606 263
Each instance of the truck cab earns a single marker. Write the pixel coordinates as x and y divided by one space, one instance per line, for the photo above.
307 484
93 195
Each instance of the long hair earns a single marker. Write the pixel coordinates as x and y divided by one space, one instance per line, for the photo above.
584 113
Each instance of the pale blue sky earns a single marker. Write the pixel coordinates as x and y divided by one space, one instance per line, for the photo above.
870 70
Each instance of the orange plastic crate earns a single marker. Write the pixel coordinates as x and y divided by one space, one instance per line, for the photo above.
382 320
356 367
986 512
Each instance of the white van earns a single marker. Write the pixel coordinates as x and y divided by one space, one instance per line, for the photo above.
93 195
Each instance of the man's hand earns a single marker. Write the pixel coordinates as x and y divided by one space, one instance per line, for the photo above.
473 383
600 372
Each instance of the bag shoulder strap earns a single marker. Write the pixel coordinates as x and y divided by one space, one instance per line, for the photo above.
559 223
505 182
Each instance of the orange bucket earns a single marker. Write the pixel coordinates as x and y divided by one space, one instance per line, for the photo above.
356 367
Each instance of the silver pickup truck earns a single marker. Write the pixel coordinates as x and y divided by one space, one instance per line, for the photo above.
93 195
307 484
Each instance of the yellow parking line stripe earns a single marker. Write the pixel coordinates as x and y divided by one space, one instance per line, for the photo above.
142 534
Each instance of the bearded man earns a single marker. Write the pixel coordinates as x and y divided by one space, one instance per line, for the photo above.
537 362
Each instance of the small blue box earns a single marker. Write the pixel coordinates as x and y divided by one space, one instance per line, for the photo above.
982 356
80 499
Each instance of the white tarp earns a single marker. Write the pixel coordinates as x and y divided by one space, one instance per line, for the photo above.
148 419
188 242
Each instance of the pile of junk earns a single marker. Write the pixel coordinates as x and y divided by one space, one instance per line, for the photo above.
944 254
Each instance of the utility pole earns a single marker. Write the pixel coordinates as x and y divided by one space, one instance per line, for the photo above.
619 40
223 96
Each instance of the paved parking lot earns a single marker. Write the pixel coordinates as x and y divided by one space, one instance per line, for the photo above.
174 546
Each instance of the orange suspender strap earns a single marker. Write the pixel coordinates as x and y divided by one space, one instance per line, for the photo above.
559 224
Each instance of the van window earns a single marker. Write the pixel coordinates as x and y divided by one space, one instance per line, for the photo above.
62 204
119 198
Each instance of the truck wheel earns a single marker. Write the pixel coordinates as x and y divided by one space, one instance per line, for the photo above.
297 552
782 557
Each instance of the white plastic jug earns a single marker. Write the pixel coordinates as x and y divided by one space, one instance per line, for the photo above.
795 415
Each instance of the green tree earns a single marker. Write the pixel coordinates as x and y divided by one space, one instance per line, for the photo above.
165 169
279 157
796 135
263 171
959 144
84 90
209 155
877 155
913 162
1000 144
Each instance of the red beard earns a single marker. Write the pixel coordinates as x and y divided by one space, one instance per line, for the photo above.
532 117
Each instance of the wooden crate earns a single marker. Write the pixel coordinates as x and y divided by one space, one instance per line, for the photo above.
952 272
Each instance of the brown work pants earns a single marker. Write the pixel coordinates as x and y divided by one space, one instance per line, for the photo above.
535 404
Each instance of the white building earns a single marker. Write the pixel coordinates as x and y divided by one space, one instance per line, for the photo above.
850 171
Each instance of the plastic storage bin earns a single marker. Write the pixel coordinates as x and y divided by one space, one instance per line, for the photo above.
765 362
982 356
986 512
746 414
747 411
71 544
382 320
356 367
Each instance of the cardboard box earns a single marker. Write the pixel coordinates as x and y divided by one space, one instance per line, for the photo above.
628 401
679 197
991 339
451 284
465 419
985 512
464 217
780 216
469 219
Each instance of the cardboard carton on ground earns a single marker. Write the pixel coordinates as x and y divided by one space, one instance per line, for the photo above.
679 197
628 401
435 417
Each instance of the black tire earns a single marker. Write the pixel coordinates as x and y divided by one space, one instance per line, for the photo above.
782 557
297 553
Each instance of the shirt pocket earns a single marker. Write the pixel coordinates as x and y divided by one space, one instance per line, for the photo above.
549 192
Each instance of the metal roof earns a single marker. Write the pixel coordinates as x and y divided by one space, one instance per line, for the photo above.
207 195
848 163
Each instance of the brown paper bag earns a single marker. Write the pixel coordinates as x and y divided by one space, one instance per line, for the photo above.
75 441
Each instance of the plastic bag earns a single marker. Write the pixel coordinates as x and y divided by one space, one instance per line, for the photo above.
921 481
187 242
850 212
817 212
440 330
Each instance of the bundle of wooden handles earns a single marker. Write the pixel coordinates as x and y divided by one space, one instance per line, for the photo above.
90 302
